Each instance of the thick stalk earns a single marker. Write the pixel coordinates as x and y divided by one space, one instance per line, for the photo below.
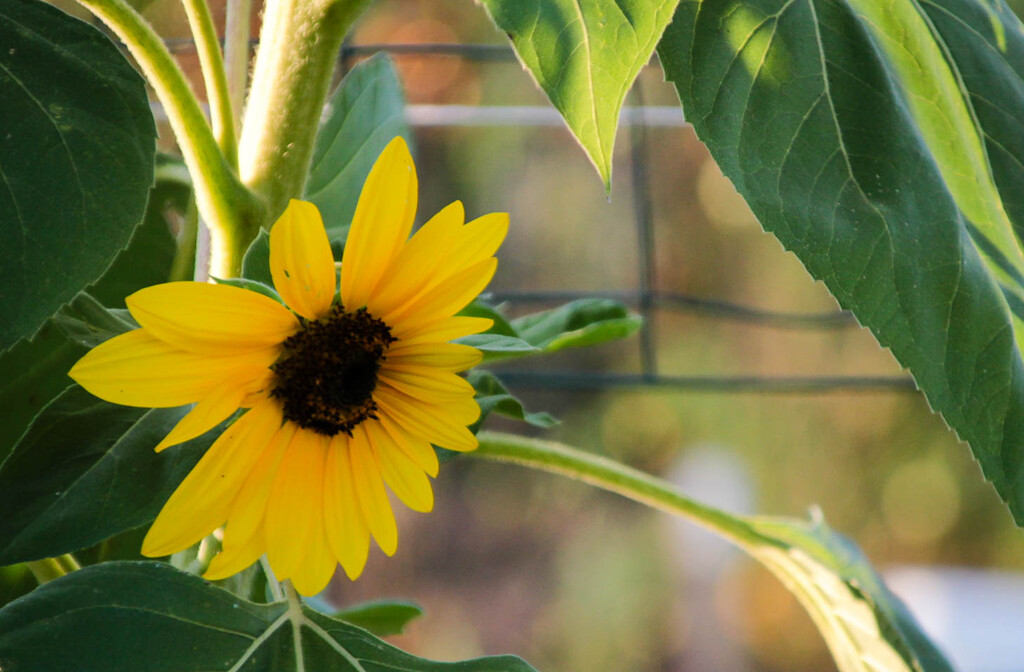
212 64
229 209
614 477
48 569
236 54
299 45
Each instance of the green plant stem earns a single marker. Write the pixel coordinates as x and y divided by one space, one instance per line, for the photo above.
299 45
212 63
237 31
614 477
229 209
184 263
272 583
48 569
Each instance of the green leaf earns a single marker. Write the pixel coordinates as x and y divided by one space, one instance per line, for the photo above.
252 286
578 324
381 617
77 142
365 113
147 259
496 346
150 617
86 470
35 371
256 262
881 143
585 55
865 626
479 308
493 397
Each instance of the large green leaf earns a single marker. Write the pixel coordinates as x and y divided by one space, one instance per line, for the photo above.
881 141
585 55
148 617
86 470
35 371
866 627
366 112
77 142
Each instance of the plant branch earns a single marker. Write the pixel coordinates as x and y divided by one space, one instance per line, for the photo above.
212 63
299 45
229 209
614 477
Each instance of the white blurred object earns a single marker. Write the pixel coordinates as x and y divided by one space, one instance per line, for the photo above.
976 617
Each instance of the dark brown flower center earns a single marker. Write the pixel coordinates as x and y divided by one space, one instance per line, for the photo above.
328 370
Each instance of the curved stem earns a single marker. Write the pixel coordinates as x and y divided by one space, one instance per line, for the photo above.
299 45
215 78
231 211
614 477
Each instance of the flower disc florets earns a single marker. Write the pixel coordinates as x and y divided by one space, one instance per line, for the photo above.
328 371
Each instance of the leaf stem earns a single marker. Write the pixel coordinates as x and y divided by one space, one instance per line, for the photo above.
214 76
272 583
299 45
48 569
229 209
609 475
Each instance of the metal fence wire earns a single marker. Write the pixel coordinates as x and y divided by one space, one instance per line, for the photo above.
645 298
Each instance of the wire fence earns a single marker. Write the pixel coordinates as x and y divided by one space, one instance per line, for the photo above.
646 298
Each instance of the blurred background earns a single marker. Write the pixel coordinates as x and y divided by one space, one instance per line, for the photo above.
758 397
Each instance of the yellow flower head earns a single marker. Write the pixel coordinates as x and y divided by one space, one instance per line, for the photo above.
343 397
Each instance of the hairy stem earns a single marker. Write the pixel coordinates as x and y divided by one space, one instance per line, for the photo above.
299 45
212 63
229 209
614 477
236 54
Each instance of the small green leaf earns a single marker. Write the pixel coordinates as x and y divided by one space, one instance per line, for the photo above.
256 262
496 346
381 617
479 308
76 160
149 617
252 286
493 397
366 112
585 55
86 470
577 324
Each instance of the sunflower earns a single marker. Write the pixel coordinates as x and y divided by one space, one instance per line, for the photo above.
343 394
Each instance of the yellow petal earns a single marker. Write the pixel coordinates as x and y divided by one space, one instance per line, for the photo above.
416 449
430 385
347 534
445 330
234 558
301 261
380 225
477 240
400 473
443 426
318 563
444 300
211 319
245 518
418 262
441 356
214 408
373 499
136 369
290 521
202 501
